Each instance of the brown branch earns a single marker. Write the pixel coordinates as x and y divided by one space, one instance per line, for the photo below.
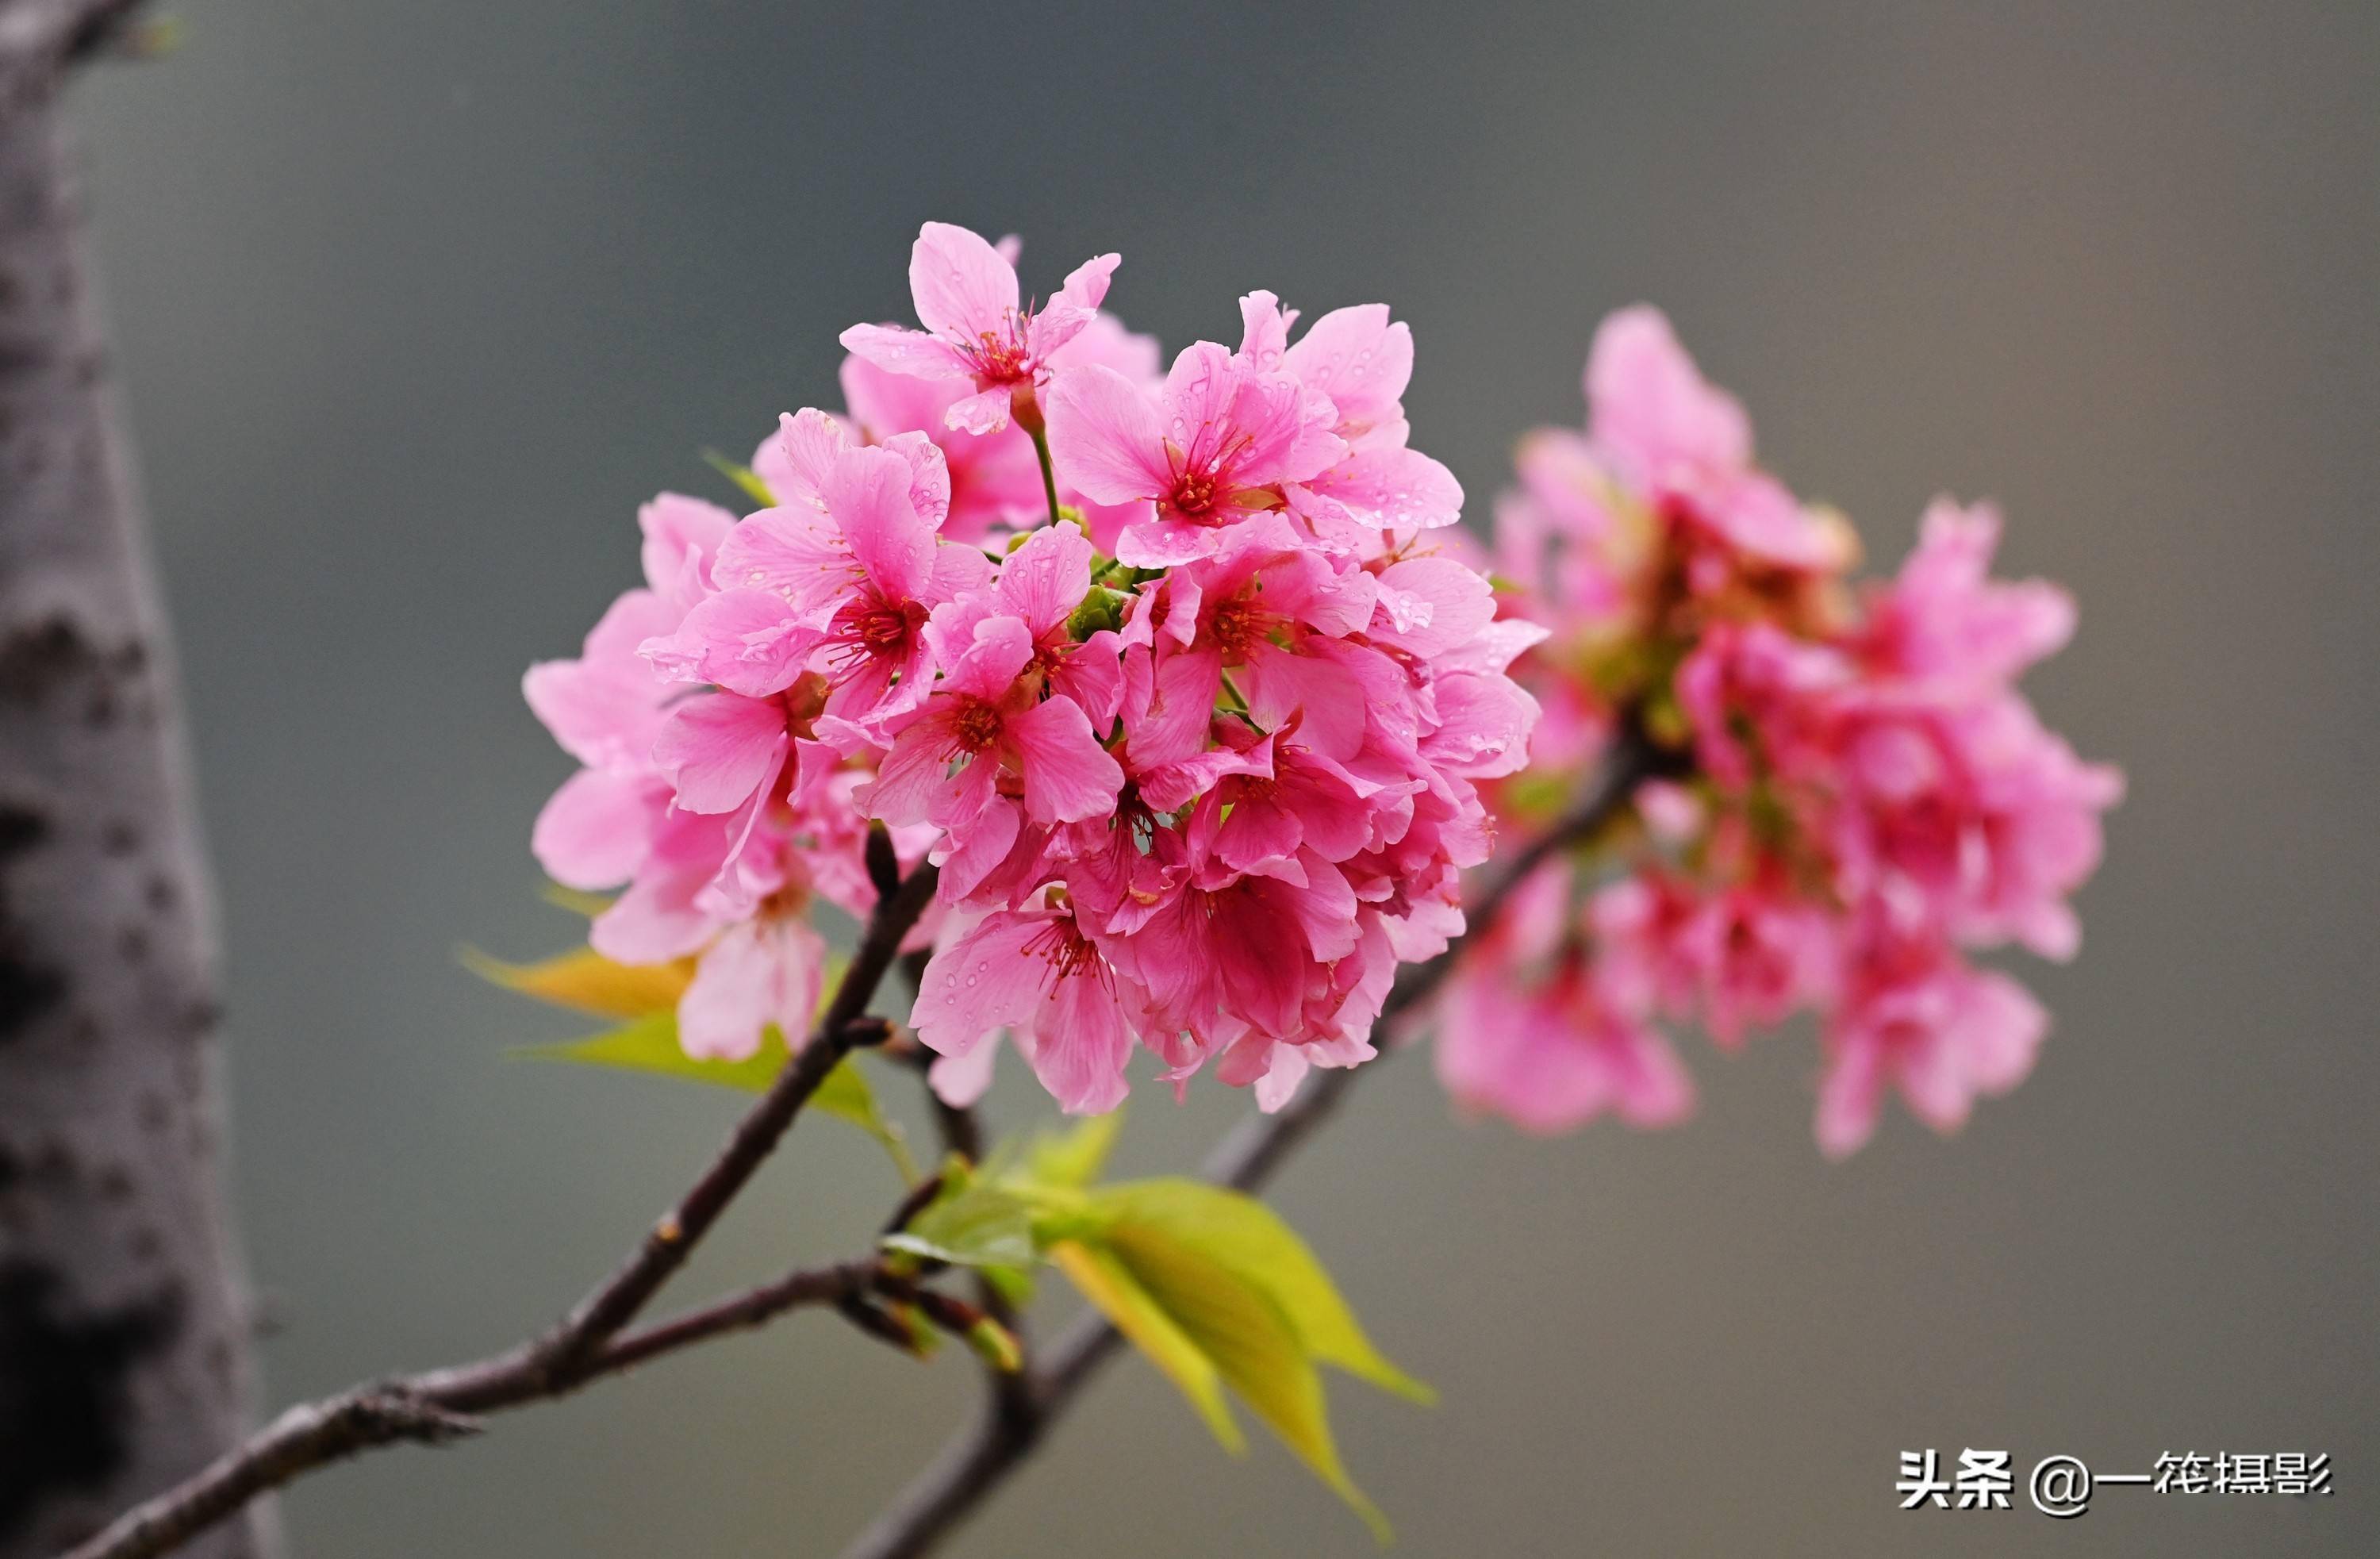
978 1459
424 1409
594 1339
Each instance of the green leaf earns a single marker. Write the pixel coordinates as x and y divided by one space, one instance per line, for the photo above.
981 1225
846 1094
1250 1342
584 980
649 1044
1250 1240
577 903
742 476
1116 1295
1072 1158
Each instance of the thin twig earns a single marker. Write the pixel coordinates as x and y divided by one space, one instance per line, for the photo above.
978 1459
592 1339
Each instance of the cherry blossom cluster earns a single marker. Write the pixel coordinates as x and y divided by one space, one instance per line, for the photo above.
1166 674
1856 795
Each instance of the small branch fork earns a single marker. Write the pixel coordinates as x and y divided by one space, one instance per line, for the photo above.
597 1338
977 1461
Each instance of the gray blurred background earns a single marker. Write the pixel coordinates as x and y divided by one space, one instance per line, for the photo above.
415 303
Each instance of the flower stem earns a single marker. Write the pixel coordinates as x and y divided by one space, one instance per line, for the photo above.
1048 473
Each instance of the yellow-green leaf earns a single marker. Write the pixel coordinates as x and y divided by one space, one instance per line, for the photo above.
1116 1295
1072 1158
981 1225
742 476
576 901
1251 1343
584 980
1247 1238
649 1044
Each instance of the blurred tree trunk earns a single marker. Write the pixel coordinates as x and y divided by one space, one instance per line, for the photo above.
124 1330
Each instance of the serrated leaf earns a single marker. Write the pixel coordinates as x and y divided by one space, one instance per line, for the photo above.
584 980
742 476
1251 1343
1250 1239
980 1226
1072 1158
1116 1295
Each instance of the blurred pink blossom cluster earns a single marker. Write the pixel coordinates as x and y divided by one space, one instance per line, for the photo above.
1166 672
1854 794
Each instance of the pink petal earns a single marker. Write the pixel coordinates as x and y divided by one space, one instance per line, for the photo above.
806 443
1850 1096
1328 697
1389 490
756 974
597 829
1068 776
796 551
681 537
996 655
1264 331
867 494
980 983
961 285
746 641
1080 1044
978 846
1650 404
1163 544
1105 436
1454 603
910 352
1046 579
961 1080
909 775
985 411
1076 304
718 748
930 475
1361 360
1181 707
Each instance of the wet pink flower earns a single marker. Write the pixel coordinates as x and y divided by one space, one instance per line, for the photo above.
1036 975
987 742
1211 448
1202 795
977 329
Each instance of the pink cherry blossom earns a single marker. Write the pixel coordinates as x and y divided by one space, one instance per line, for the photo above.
1211 448
986 742
1036 975
977 329
1942 1033
1857 793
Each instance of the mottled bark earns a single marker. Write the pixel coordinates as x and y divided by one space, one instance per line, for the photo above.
124 1351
